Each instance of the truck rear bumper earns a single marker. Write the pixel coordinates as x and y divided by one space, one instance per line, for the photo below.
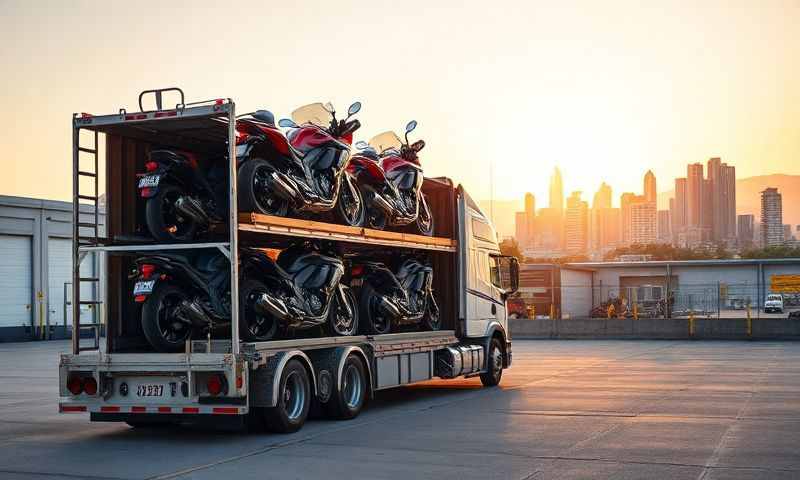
102 408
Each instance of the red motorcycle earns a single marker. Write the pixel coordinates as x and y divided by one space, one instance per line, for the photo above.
304 171
390 178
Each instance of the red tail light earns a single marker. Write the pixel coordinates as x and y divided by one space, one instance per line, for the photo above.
357 271
241 137
75 385
150 166
147 270
145 192
90 386
215 384
140 298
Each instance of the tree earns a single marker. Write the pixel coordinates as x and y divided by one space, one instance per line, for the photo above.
510 247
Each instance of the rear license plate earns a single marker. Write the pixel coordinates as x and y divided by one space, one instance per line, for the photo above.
143 287
149 181
150 390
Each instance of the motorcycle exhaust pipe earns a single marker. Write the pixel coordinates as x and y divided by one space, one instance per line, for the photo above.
266 305
390 308
381 203
191 208
283 187
195 313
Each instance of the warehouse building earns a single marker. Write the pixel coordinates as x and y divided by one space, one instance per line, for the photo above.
724 288
36 267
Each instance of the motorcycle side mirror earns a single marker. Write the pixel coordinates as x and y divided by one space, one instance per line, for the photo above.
410 126
362 145
354 108
418 145
287 123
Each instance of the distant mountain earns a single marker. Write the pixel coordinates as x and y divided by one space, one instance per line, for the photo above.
748 196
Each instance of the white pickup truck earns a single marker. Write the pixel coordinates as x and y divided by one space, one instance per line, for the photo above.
774 303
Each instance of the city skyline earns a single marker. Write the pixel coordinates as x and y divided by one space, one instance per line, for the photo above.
701 212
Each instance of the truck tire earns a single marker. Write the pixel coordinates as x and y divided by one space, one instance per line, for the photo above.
294 399
156 321
250 198
161 219
495 365
350 392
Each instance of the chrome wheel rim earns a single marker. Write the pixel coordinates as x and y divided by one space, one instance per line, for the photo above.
294 396
497 361
352 387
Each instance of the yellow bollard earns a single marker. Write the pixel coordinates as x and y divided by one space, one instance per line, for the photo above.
749 323
691 323
552 311
636 311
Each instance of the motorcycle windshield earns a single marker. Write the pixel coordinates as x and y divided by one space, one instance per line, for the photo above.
314 113
386 141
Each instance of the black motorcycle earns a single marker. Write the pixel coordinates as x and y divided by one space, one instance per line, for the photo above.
188 296
183 200
395 300
304 290
302 172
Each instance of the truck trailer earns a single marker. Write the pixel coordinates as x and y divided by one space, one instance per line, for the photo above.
113 375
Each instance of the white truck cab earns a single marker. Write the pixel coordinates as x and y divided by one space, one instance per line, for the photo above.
774 303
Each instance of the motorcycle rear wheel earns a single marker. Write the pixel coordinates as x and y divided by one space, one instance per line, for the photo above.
254 327
374 321
255 194
338 322
163 222
163 330
433 318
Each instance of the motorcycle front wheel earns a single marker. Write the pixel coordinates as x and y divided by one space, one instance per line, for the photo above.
343 320
350 208
163 221
160 323
433 319
424 217
255 191
253 326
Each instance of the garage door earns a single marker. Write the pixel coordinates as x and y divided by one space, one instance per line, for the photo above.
16 287
60 271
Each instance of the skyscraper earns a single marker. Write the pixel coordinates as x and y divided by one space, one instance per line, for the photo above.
771 218
728 200
664 231
679 210
643 221
556 209
577 224
602 199
694 195
745 230
525 222
650 193
530 204
721 205
625 201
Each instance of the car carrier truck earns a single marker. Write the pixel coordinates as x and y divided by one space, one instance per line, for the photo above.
113 375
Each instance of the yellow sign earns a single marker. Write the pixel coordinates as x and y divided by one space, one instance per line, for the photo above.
785 284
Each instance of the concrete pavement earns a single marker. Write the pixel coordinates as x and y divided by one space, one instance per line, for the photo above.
566 409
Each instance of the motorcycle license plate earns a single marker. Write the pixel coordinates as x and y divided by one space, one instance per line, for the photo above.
143 287
149 181
150 390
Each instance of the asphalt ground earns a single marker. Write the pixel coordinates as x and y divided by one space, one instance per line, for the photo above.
566 409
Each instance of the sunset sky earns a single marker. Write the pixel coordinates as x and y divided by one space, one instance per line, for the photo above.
605 90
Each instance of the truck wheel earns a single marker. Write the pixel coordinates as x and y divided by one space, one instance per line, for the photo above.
350 393
495 363
294 399
255 193
163 222
160 323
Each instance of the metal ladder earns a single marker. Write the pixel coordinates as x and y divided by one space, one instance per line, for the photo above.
79 240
